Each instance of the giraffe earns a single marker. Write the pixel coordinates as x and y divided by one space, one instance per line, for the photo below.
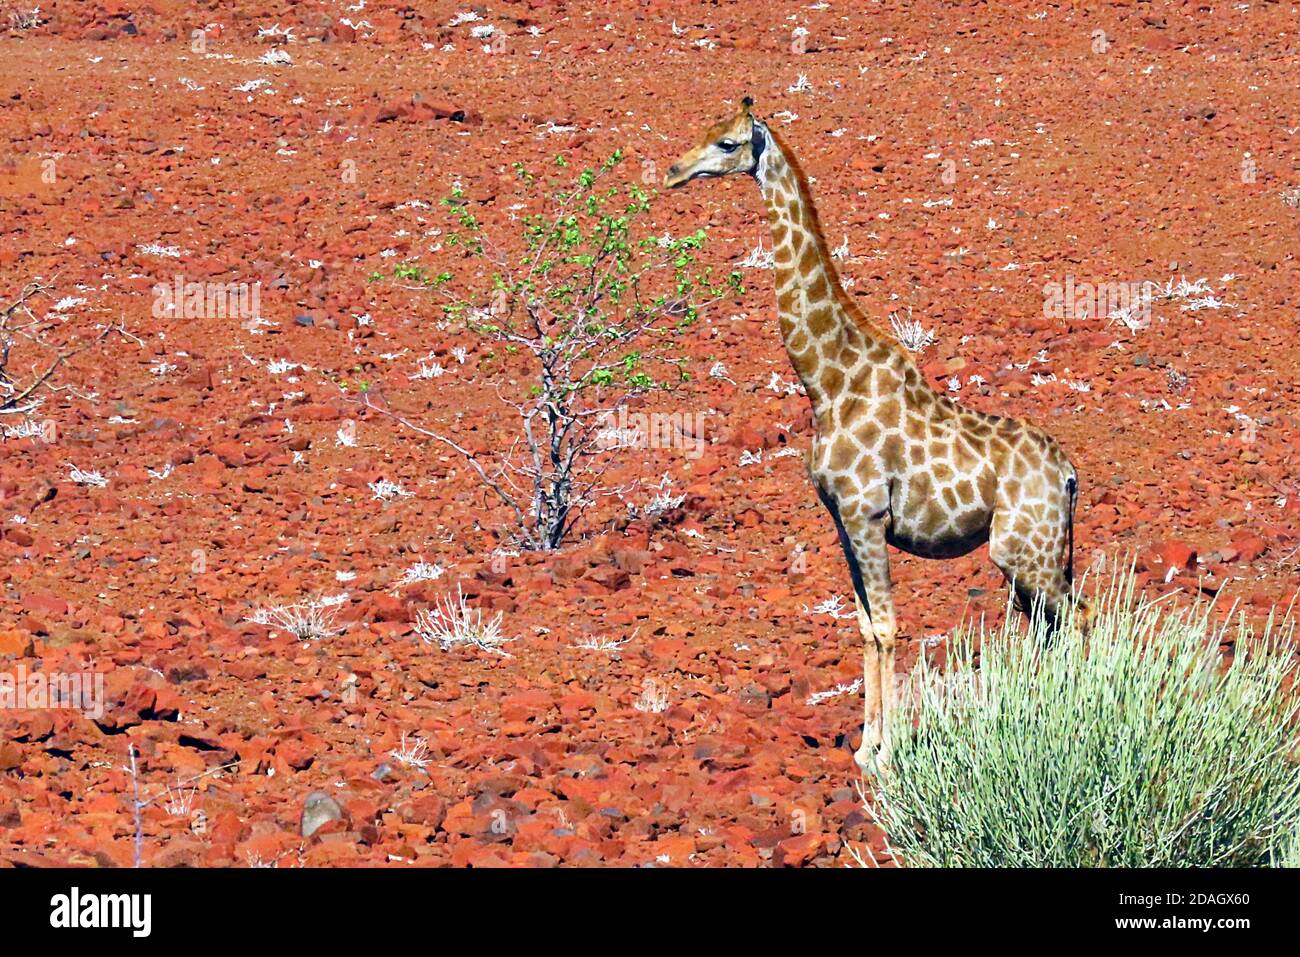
893 461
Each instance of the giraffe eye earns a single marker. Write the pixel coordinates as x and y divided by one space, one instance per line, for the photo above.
728 147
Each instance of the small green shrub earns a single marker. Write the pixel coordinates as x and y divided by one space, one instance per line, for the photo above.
1133 746
592 311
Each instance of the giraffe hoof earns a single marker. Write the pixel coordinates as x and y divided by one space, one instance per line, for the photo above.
872 760
866 759
882 763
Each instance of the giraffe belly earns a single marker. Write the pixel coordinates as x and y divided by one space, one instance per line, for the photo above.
926 545
935 513
933 526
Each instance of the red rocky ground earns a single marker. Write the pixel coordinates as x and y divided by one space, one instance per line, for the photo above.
1160 148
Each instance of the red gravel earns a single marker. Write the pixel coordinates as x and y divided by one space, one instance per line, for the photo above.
1165 155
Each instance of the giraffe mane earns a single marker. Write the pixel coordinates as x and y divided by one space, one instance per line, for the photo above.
845 301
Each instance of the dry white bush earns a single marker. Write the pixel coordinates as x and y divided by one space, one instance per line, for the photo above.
913 336
86 478
386 491
307 620
420 572
452 623
654 698
413 755
759 258
1134 317
600 643
25 19
179 801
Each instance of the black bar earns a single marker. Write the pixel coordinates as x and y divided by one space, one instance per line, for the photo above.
300 906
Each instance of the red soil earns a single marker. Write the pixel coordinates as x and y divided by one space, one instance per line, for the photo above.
1117 166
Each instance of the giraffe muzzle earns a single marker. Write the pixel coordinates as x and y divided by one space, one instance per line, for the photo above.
675 177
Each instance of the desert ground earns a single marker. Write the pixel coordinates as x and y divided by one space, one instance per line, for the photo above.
679 688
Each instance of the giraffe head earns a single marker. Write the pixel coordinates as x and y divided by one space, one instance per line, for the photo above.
732 145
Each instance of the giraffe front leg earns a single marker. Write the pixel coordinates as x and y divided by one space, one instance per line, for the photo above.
885 630
862 537
876 606
870 688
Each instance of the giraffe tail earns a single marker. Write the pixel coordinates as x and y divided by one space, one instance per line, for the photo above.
1071 489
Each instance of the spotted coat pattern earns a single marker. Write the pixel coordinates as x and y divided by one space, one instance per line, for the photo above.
894 461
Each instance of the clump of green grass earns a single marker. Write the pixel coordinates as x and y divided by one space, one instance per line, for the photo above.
1133 746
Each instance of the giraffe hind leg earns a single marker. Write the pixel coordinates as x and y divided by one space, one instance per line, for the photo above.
1030 550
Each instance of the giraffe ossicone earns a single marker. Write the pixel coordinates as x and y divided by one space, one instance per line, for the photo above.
894 461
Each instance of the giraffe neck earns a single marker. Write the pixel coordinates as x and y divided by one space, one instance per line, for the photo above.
822 337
